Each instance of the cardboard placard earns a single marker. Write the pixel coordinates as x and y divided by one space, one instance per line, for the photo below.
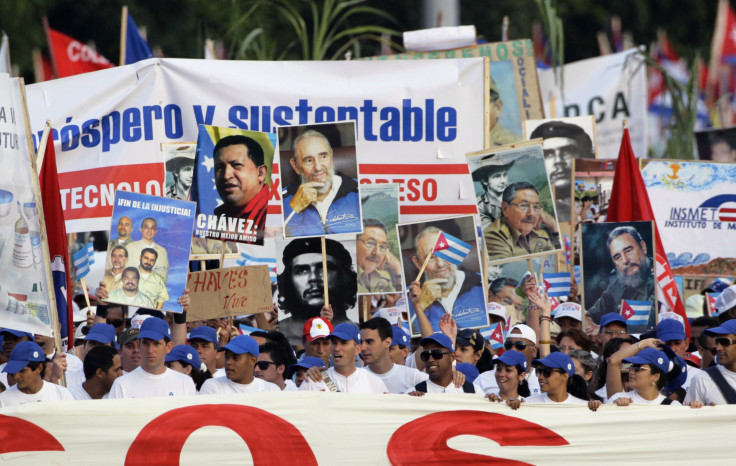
229 292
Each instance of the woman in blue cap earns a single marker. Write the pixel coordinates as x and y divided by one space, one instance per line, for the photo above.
558 381
647 376
184 359
510 371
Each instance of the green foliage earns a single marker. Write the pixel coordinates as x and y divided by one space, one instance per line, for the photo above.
555 37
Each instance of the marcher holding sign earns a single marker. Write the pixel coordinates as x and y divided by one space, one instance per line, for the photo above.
137 276
238 164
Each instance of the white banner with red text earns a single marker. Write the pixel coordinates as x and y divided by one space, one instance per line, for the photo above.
329 428
415 119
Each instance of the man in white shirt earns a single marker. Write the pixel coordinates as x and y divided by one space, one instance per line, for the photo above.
204 340
27 363
523 339
153 378
343 376
704 387
438 353
101 367
99 335
241 356
271 366
376 337
10 339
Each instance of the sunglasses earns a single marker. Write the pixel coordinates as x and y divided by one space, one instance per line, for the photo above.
615 332
116 322
638 368
547 371
263 365
724 341
519 345
435 353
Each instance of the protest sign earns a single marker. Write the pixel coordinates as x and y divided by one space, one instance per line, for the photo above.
564 140
612 88
229 292
377 248
301 287
413 131
591 193
717 144
149 254
513 77
695 208
25 276
236 165
446 251
618 265
319 176
525 224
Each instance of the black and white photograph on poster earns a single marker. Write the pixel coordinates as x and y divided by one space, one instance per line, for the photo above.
513 189
564 139
301 293
379 266
445 252
319 175
618 269
150 270
717 145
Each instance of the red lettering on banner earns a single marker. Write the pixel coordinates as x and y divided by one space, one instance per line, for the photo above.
424 440
274 441
20 435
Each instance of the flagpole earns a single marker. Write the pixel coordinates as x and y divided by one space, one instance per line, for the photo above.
47 30
429 256
324 272
123 33
42 146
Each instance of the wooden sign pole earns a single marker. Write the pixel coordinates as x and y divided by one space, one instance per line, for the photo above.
324 272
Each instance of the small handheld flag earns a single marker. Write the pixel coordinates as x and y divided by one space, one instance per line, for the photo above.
83 259
557 284
711 303
451 249
247 259
494 334
636 313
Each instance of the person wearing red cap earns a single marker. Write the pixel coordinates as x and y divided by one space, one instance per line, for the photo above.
314 339
27 364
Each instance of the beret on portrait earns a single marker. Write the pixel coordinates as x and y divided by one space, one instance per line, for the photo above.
560 129
314 245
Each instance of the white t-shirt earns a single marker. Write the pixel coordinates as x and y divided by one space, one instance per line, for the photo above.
401 379
141 384
638 400
486 383
219 373
704 389
80 393
3 375
451 388
74 370
544 398
223 385
290 386
49 392
603 393
692 372
360 381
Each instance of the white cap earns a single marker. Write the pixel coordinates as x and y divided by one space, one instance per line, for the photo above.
526 332
137 320
670 315
77 314
727 299
495 309
392 314
78 335
571 310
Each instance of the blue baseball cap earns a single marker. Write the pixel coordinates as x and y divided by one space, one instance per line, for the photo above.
242 344
102 333
651 356
346 332
23 353
557 360
307 362
399 337
185 354
678 380
204 333
16 333
610 318
470 371
154 328
725 328
670 329
439 338
512 358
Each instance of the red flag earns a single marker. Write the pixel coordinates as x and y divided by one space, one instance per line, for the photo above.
630 202
57 240
72 57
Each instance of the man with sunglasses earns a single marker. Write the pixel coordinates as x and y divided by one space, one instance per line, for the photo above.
241 356
672 333
717 385
438 354
517 231
378 269
523 339
271 366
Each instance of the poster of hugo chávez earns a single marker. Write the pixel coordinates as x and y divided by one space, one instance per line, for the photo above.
231 179
149 267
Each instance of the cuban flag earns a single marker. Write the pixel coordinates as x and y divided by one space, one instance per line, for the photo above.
577 273
247 329
494 334
568 251
451 249
636 313
711 300
557 284
247 259
83 260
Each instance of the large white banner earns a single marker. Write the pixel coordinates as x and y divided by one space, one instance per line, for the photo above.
416 120
613 88
329 428
695 207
